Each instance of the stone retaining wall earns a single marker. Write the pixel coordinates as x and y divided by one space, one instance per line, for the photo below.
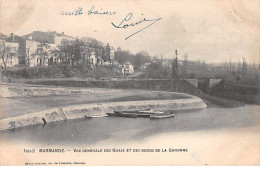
80 111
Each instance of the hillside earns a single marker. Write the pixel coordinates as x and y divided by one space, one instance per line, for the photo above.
65 72
243 92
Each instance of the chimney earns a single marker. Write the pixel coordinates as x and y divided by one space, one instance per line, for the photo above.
12 36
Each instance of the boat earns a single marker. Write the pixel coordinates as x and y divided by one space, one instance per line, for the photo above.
111 114
161 115
123 114
132 114
154 114
96 116
139 113
127 112
148 112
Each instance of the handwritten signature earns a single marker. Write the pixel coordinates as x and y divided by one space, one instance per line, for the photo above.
124 25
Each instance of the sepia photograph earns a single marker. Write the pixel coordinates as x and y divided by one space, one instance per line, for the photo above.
129 83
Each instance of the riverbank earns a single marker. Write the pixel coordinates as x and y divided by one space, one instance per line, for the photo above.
81 111
169 85
244 92
24 105
46 101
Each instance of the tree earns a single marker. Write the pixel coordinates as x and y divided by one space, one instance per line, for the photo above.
4 54
141 58
123 56
185 65
175 66
244 68
62 52
30 52
89 44
69 52
92 43
43 50
157 71
85 54
76 52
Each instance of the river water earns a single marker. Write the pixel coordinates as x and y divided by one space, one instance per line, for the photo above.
92 131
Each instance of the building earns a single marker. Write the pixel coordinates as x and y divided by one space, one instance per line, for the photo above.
93 58
112 54
144 67
2 36
97 56
9 50
100 61
51 37
41 44
127 69
34 48
17 40
166 63
38 49
31 53
27 49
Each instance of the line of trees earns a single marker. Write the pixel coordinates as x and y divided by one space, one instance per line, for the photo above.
4 54
138 59
75 52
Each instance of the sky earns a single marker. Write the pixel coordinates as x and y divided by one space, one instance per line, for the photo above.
211 30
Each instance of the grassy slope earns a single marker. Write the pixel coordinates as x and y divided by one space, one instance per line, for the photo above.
63 72
163 85
109 72
238 91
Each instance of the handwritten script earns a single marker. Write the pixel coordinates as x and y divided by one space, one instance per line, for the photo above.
91 11
124 24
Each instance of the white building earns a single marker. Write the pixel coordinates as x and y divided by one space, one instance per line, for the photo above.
31 57
127 69
112 54
10 52
93 58
35 48
51 37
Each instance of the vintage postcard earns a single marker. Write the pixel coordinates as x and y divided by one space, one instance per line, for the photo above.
129 83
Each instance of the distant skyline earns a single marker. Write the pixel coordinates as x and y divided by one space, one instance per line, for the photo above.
214 31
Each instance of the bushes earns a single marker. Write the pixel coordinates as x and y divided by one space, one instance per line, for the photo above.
35 72
237 91
57 71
